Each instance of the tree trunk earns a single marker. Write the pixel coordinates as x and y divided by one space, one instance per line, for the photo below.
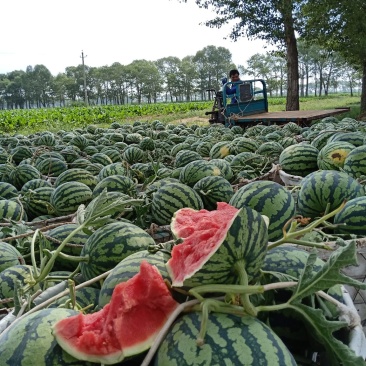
292 99
363 88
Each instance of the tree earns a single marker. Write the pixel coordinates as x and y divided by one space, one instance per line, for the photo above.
271 20
339 26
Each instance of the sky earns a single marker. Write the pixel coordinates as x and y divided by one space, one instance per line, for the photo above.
55 32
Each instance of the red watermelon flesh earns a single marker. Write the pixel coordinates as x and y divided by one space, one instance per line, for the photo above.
126 326
203 232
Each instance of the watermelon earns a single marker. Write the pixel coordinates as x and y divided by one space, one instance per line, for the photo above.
116 183
171 197
215 243
355 163
324 187
184 157
10 210
230 340
7 191
270 199
8 277
300 159
111 243
67 197
353 216
9 256
333 155
30 341
196 170
126 326
77 175
212 190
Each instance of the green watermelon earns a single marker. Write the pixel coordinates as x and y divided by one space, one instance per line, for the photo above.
229 340
7 191
318 189
216 244
212 190
333 155
10 210
355 163
116 183
196 170
9 256
171 197
270 199
67 197
76 175
31 342
300 159
125 327
111 243
353 216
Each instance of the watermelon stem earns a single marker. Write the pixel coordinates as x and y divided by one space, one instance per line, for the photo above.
239 268
292 234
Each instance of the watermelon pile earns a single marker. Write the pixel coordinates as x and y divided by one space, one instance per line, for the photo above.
145 217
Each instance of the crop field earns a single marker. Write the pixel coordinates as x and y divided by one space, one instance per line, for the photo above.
143 235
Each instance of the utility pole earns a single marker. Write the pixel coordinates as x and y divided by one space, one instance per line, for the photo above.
84 74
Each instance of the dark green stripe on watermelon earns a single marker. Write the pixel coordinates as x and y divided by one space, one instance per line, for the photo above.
230 340
323 187
108 245
31 342
170 198
270 199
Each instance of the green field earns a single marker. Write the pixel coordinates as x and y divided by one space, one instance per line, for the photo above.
27 121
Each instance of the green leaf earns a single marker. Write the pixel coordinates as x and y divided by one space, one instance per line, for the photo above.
329 275
323 330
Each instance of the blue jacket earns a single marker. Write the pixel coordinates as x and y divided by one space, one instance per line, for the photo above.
230 90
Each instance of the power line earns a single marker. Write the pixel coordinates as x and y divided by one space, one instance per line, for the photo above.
84 74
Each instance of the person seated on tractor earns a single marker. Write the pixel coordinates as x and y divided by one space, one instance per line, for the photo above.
234 76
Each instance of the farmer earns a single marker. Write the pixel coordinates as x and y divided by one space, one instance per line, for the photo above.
234 76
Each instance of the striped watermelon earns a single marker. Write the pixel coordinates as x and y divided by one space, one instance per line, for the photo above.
212 190
37 202
77 175
113 169
11 210
129 267
54 238
321 139
116 183
134 154
225 168
353 138
217 245
101 158
85 297
113 153
196 170
229 340
9 256
184 157
67 197
355 163
243 144
289 260
300 159
52 167
221 149
333 155
111 243
33 184
31 342
20 153
269 199
353 215
22 174
9 276
7 191
324 187
171 197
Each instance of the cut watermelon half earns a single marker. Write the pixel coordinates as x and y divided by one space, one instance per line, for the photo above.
214 242
125 327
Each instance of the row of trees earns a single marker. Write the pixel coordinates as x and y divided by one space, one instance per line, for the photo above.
335 25
172 79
